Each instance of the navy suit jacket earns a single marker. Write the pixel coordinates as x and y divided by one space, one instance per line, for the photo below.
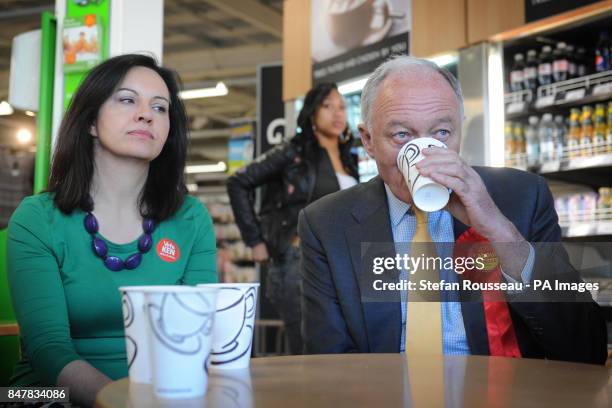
335 320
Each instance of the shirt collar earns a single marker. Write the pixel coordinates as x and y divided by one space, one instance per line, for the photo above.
397 208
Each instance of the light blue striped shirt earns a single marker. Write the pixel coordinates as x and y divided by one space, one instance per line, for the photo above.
403 226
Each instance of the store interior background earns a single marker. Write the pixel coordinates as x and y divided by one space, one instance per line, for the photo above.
207 41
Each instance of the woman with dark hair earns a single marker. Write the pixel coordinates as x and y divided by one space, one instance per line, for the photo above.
314 163
116 213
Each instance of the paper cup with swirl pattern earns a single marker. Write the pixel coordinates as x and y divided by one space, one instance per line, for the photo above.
427 195
234 324
181 321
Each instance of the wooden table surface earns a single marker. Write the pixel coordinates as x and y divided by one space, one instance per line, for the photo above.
388 380
8 328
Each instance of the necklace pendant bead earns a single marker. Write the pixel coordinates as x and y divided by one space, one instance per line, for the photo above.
99 247
91 224
114 263
133 261
145 243
148 225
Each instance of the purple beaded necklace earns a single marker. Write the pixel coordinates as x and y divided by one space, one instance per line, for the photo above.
114 263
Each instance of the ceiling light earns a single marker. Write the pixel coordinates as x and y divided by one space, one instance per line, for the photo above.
24 136
444 59
30 113
5 108
352 86
219 90
206 168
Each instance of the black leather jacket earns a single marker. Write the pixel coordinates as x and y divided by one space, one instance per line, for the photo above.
287 174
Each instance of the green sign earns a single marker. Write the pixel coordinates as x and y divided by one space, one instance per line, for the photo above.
87 14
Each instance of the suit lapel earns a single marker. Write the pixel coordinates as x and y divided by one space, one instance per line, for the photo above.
372 225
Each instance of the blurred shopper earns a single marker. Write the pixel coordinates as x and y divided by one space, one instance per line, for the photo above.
314 163
116 213
404 99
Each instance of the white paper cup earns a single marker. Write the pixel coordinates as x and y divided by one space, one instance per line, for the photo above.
234 324
181 321
136 333
427 195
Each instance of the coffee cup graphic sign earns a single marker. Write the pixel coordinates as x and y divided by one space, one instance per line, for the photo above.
349 38
350 21
427 195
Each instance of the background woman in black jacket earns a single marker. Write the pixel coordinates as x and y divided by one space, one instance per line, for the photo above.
314 163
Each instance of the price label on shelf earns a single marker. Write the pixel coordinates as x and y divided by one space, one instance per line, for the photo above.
550 167
545 101
604 228
516 107
574 95
602 89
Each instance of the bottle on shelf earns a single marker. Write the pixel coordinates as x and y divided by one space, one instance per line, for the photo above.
533 142
582 68
572 67
604 203
609 130
559 136
602 52
530 72
510 145
573 142
560 64
600 129
516 74
589 206
546 130
586 131
519 143
545 66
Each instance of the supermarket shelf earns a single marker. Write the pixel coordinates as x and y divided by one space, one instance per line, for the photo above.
576 90
587 229
560 96
594 171
577 163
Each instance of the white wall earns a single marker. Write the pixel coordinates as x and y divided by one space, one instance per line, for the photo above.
137 26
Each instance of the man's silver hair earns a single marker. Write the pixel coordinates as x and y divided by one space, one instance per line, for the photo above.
402 64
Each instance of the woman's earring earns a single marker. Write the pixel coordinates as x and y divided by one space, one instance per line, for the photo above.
314 128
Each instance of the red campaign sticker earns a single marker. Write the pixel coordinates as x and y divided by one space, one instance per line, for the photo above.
167 250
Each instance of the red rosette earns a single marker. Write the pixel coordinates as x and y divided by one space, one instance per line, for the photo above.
485 266
500 331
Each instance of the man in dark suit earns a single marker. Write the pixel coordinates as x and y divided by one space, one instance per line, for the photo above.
407 98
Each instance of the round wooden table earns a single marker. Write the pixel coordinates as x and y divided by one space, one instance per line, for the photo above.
387 380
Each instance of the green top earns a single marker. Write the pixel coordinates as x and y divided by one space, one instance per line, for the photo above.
66 301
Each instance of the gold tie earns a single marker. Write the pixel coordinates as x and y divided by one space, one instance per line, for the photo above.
424 316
